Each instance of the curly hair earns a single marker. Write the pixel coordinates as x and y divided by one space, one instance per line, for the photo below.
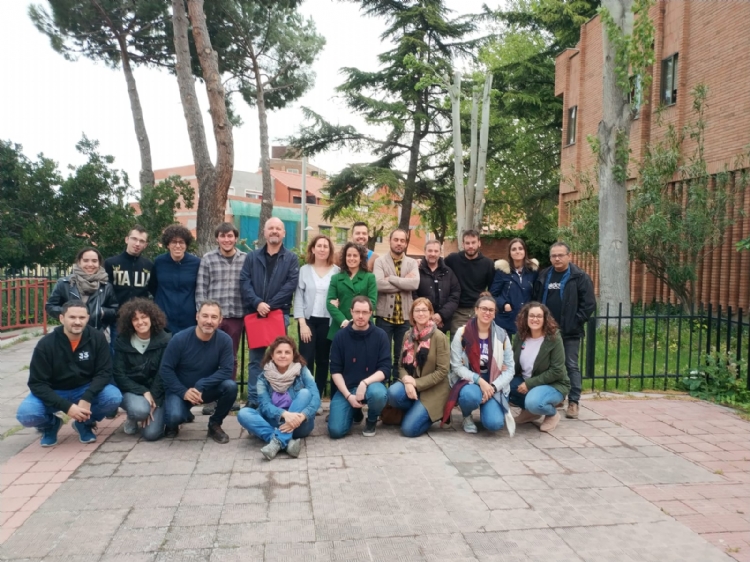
144 306
176 231
549 326
296 356
311 249
362 257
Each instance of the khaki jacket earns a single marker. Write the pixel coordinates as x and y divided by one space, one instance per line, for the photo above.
432 379
407 282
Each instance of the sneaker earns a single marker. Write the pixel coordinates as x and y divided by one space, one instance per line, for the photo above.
294 447
271 449
525 417
85 432
49 433
572 412
209 409
359 415
369 430
550 422
235 406
469 425
130 427
171 432
217 434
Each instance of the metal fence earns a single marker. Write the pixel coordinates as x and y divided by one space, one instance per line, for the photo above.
655 348
22 303
51 273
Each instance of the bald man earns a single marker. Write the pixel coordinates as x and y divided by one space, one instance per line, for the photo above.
267 282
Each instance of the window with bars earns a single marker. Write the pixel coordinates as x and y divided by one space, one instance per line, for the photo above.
669 80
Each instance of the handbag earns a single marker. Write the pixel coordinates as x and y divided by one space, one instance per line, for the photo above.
262 330
391 415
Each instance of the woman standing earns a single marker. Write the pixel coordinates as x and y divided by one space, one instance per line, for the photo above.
541 379
287 401
482 367
310 308
512 285
89 283
423 388
174 277
354 280
139 349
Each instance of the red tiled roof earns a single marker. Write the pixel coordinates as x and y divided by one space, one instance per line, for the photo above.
294 181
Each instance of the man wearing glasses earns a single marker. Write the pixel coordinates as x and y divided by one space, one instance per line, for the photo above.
569 294
129 272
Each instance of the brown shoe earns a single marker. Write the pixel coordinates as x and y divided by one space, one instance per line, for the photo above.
525 417
550 422
572 412
217 434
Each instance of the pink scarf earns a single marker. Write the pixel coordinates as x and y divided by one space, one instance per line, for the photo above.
419 340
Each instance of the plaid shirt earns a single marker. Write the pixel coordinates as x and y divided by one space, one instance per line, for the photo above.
398 311
219 280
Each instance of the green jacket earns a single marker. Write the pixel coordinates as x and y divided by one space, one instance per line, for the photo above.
549 365
344 289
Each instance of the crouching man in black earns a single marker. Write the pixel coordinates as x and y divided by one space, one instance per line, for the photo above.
197 369
70 372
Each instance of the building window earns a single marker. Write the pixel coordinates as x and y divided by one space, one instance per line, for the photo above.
635 96
311 199
669 80
251 194
292 170
325 230
297 200
341 235
572 117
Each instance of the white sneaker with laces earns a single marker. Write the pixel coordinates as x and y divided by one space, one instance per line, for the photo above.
469 425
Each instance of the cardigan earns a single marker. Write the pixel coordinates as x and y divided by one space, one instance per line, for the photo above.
549 365
387 288
345 288
432 379
304 296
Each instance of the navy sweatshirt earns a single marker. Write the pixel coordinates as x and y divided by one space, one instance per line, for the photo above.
190 362
173 286
357 354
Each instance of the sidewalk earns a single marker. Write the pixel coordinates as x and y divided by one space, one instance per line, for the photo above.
654 480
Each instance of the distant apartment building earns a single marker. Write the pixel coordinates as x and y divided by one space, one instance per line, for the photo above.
696 41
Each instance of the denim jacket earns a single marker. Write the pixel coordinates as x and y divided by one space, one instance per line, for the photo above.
273 413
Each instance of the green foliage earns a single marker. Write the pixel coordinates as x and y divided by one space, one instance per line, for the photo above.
158 205
538 240
376 210
721 379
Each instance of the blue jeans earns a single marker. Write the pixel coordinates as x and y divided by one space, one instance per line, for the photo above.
254 369
416 419
395 333
257 425
491 413
138 409
342 413
34 413
541 400
176 409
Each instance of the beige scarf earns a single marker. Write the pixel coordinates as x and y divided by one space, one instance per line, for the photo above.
280 382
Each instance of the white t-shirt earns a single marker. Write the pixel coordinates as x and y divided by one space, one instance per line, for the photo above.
139 345
321 293
529 351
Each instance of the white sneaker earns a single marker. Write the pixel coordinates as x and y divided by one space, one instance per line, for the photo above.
130 427
469 425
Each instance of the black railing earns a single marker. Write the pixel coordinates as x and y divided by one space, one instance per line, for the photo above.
50 273
655 348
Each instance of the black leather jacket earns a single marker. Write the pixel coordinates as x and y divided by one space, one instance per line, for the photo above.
102 305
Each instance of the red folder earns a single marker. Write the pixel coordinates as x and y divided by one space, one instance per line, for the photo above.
262 330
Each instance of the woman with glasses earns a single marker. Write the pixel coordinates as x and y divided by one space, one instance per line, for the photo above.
541 381
423 388
513 283
482 367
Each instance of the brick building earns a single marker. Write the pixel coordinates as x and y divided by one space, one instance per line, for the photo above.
696 41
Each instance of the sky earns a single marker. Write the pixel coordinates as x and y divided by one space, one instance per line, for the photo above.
47 103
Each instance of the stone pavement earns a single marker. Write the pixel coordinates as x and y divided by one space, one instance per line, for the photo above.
631 480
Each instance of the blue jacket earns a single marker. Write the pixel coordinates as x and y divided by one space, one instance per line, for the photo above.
357 354
507 288
173 286
271 413
280 289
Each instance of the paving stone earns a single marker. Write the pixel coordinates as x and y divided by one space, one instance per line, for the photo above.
128 540
190 538
661 470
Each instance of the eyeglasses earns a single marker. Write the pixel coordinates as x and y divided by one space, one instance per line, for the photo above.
537 316
177 243
557 256
421 310
486 310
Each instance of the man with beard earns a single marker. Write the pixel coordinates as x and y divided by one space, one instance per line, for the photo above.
267 282
197 369
439 285
397 276
475 273
361 235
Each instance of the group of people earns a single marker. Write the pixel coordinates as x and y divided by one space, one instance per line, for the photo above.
175 327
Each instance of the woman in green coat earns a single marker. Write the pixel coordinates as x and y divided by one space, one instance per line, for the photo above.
541 380
354 280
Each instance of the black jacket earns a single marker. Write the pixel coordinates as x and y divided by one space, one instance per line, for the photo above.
578 300
129 275
139 373
278 292
55 366
440 287
103 299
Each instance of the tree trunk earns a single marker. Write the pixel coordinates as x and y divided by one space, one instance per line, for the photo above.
458 153
477 209
269 193
614 129
421 126
215 201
